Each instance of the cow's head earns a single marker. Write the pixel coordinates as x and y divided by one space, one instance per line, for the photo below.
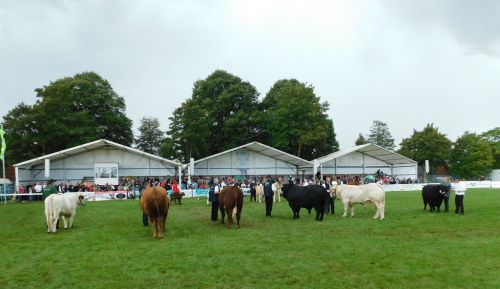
81 199
335 190
284 190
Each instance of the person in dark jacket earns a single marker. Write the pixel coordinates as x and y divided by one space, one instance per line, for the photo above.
268 195
446 188
213 197
253 192
144 216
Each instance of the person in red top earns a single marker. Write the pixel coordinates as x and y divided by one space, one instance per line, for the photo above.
175 187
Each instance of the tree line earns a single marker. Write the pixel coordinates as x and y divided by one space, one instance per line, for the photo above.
223 112
470 156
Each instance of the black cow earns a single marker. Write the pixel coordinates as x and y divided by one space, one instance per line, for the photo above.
312 196
434 196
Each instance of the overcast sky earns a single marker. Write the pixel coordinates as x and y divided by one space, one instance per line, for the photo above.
406 63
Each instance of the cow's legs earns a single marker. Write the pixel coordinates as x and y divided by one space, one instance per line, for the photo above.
319 212
296 212
352 211
48 220
65 221
54 223
155 229
222 214
71 218
229 218
238 216
346 207
377 213
382 211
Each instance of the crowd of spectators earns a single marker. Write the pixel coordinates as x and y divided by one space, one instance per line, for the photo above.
137 184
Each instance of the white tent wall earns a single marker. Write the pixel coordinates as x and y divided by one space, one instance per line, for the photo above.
352 164
405 171
243 162
356 163
75 167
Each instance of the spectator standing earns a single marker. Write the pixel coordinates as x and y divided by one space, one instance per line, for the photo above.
49 189
253 192
38 190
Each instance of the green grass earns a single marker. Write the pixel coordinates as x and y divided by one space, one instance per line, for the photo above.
109 247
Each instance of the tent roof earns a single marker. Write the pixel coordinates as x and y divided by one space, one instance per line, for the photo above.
372 150
267 151
89 147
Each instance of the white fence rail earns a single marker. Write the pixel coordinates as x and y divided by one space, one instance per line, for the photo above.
192 193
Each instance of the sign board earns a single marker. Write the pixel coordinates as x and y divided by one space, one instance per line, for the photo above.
106 174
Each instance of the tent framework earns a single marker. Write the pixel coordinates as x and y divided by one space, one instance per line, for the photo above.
385 158
34 165
282 161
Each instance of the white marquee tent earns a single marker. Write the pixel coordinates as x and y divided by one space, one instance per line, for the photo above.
250 159
366 159
99 161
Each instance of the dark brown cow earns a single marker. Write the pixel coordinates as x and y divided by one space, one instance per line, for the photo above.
231 197
176 198
154 203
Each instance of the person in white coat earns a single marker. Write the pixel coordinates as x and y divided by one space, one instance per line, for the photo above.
459 189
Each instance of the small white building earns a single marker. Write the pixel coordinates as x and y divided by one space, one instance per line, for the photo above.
101 161
252 159
364 160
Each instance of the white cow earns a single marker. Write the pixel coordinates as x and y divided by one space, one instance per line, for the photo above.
259 192
57 205
364 194
277 191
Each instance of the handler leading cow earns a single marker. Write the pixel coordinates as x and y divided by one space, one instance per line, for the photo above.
364 194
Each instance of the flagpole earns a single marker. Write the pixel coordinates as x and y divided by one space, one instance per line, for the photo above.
4 185
3 163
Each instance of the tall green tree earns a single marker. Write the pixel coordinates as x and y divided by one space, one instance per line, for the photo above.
220 115
472 156
427 144
19 127
380 135
150 135
72 100
361 140
295 121
69 111
493 136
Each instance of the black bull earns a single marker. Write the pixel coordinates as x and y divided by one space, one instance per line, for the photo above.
312 196
434 196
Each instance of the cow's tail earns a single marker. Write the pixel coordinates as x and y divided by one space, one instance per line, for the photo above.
49 213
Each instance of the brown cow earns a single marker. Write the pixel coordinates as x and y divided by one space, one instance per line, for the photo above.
154 203
230 198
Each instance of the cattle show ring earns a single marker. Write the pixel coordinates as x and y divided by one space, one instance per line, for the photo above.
118 217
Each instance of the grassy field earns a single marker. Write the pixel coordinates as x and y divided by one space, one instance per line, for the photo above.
109 247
